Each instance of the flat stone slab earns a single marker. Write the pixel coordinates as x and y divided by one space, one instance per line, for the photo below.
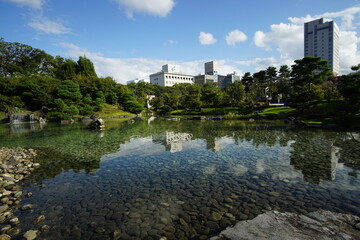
320 225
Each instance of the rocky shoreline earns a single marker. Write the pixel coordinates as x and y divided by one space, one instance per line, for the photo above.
16 164
274 225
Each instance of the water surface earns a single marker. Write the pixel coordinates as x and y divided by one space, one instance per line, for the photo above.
186 179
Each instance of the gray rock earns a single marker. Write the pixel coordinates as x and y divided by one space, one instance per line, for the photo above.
30 235
324 225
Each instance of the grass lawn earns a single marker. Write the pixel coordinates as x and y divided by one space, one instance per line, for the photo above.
276 112
205 111
113 111
2 116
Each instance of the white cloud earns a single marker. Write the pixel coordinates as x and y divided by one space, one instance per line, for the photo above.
264 63
288 38
347 16
206 38
169 42
124 69
45 25
259 39
159 8
234 37
349 54
35 4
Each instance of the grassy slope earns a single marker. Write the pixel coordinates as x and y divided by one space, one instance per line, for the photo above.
276 112
113 111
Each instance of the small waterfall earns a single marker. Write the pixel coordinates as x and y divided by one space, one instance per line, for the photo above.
21 118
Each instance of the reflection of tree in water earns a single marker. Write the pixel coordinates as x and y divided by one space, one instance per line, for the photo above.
73 147
315 155
350 150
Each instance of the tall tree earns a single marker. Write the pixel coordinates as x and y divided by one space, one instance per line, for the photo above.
247 80
307 72
86 67
67 69
17 58
283 82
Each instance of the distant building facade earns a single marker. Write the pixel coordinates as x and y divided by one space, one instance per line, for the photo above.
204 78
229 79
169 76
211 74
321 39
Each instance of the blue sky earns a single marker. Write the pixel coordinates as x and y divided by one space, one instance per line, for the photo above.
128 39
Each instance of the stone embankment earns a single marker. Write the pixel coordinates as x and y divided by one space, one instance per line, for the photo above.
15 165
321 225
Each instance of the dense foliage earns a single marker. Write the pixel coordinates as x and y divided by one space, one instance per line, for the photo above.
32 79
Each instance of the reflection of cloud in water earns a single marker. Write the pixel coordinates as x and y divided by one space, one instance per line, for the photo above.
209 169
195 144
238 169
136 146
286 172
225 141
260 166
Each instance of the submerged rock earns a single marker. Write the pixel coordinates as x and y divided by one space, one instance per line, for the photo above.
274 225
31 234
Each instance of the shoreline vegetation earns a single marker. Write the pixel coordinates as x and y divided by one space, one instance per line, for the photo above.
57 89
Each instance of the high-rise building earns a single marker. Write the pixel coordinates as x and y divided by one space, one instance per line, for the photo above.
321 39
211 68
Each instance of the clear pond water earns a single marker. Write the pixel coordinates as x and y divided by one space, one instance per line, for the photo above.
153 178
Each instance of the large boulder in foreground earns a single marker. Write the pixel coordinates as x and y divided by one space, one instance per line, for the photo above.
320 225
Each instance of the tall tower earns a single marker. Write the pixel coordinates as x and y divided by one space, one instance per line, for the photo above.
211 68
321 39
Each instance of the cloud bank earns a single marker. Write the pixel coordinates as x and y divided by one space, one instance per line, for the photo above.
35 4
125 69
160 8
288 39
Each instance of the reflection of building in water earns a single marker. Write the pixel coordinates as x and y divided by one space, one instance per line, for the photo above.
172 141
334 160
26 127
317 162
213 145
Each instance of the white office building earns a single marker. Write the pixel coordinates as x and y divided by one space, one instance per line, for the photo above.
169 76
321 39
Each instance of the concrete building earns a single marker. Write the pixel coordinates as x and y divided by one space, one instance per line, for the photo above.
169 76
321 39
204 78
211 74
229 79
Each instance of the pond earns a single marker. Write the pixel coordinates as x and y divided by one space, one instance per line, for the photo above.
180 179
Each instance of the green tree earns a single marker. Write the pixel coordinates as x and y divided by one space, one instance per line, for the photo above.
234 94
17 58
305 73
69 91
67 69
38 90
211 95
283 82
130 104
62 111
247 80
86 67
349 87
